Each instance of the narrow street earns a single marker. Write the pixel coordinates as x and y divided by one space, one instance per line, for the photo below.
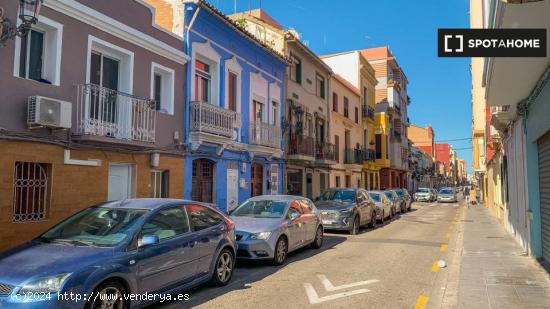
398 255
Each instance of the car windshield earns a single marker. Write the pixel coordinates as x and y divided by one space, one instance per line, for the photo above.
399 193
261 209
389 195
423 190
375 196
97 226
446 191
338 195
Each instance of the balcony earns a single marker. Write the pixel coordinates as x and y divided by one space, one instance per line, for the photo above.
368 112
105 112
208 118
501 116
354 156
301 145
263 134
325 152
370 155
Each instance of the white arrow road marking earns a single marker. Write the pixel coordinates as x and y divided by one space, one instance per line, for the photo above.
329 287
315 299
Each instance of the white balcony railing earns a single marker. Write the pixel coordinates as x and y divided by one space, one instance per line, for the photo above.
213 119
265 135
106 112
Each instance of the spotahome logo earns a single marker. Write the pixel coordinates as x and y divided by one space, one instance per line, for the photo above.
492 42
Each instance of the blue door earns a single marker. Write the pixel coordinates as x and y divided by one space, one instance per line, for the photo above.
174 259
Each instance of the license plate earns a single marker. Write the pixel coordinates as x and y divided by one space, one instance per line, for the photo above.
328 222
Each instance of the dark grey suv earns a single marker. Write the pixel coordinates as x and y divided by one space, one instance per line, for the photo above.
346 209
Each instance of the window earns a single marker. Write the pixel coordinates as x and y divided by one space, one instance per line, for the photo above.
337 147
335 102
160 181
202 218
337 181
110 66
306 207
296 69
274 113
310 127
167 223
295 207
232 91
346 107
31 191
320 86
358 183
348 181
203 82
356 115
365 96
259 110
162 87
38 55
378 146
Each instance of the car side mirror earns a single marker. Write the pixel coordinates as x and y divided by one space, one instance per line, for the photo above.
148 240
293 216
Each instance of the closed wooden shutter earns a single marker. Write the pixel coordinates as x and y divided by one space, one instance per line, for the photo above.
544 187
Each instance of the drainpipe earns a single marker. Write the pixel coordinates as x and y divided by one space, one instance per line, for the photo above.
187 49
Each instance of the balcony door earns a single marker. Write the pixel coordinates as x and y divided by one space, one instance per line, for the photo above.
111 115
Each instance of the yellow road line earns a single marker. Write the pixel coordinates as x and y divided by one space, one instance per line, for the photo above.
435 267
421 302
443 248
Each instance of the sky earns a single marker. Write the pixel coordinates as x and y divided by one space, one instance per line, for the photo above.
440 88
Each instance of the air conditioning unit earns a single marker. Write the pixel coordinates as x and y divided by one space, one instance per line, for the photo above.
47 112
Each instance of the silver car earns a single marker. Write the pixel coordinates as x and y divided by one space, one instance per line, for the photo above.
394 199
270 226
384 207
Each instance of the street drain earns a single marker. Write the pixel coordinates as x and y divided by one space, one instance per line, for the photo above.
495 237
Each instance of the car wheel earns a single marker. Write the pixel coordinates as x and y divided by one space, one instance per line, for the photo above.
356 226
318 242
109 294
281 251
223 269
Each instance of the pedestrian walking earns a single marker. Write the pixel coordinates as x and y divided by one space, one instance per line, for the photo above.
473 196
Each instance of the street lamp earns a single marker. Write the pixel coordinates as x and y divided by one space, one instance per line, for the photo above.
28 13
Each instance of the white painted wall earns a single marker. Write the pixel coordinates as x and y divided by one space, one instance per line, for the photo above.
346 66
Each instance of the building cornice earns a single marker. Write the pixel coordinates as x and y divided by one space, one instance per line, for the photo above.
114 27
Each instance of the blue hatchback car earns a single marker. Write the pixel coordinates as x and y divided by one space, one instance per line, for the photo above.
120 254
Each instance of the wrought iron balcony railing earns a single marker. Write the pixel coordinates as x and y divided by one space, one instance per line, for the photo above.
105 112
325 151
212 119
302 145
264 134
368 112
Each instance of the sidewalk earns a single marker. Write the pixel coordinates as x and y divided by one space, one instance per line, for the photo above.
494 270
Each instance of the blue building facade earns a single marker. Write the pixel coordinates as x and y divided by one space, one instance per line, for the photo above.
234 104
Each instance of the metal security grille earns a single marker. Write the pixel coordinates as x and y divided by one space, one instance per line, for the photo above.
6 289
30 191
544 187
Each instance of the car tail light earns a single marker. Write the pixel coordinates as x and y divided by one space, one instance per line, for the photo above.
229 223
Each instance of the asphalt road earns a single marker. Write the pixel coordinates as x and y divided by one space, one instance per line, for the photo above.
391 266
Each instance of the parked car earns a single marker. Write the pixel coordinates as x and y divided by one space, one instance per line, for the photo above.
394 199
447 195
346 209
271 226
406 199
384 207
423 195
117 248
